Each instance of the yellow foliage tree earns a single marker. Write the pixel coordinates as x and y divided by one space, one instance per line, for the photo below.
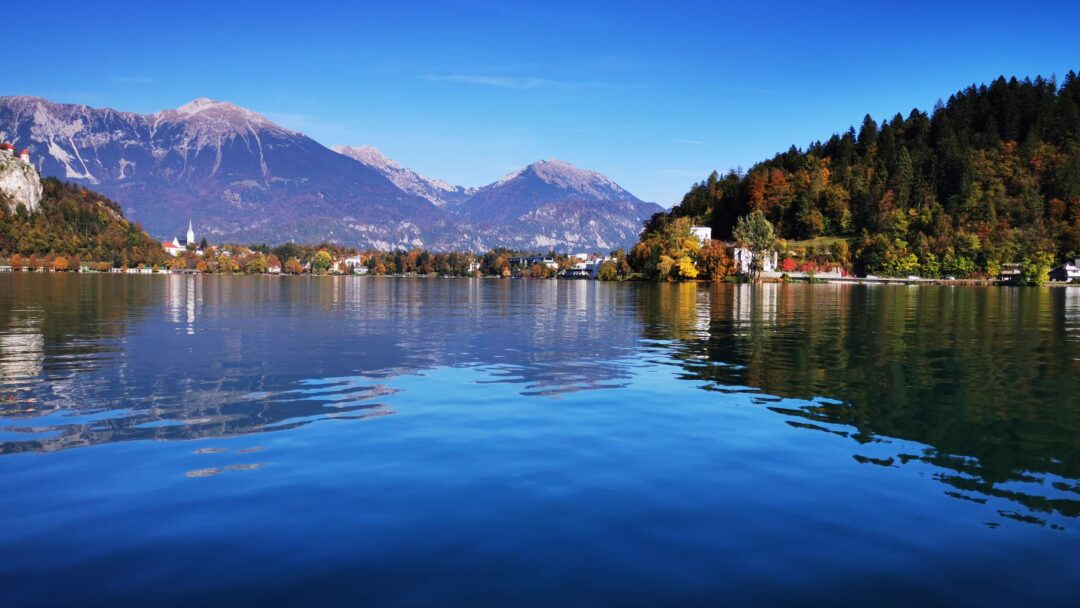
687 270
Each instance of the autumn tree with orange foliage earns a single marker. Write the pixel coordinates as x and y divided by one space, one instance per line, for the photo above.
713 261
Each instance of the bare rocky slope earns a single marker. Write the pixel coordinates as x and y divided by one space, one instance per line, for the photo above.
20 183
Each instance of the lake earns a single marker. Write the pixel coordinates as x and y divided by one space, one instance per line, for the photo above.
210 440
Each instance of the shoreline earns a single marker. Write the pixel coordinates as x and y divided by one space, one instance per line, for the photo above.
774 281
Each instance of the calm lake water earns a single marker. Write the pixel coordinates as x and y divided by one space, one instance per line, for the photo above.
182 440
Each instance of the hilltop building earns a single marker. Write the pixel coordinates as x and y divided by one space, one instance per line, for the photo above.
8 150
19 180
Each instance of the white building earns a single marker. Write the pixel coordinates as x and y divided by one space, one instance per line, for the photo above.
177 246
587 268
173 247
702 233
743 259
526 261
1066 272
355 264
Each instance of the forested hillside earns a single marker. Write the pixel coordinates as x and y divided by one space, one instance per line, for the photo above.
989 177
77 223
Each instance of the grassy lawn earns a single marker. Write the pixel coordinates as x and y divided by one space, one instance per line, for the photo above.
819 241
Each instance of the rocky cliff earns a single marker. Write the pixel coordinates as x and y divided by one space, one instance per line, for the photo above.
19 183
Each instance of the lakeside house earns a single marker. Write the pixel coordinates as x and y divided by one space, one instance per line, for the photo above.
354 265
586 266
743 258
526 261
1067 272
1010 273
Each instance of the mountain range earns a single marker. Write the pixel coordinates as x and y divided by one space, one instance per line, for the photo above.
241 178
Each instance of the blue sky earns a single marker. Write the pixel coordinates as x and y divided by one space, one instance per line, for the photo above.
655 95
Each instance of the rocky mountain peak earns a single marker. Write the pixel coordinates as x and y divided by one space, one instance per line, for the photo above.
435 190
369 155
572 180
217 116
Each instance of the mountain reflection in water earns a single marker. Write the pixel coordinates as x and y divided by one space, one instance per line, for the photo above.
983 382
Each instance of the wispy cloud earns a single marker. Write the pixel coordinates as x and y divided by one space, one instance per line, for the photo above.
519 83
692 142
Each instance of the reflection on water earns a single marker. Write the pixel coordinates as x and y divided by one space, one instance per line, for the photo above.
22 349
184 296
755 396
239 355
984 379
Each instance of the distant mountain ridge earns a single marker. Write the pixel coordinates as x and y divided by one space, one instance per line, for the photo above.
440 193
242 178
559 203
546 181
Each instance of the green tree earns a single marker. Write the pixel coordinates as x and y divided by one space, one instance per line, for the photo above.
1035 269
755 233
256 264
608 271
322 262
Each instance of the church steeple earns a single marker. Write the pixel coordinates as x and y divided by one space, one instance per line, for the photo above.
190 233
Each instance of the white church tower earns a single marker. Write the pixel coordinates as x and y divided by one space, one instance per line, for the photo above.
190 234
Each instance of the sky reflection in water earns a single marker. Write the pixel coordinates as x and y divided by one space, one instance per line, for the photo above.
629 442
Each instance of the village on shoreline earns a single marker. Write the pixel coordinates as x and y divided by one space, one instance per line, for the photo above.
187 256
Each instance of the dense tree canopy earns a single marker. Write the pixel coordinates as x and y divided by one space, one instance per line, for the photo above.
991 176
76 224
671 252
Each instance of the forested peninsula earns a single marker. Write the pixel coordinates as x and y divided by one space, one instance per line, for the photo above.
989 177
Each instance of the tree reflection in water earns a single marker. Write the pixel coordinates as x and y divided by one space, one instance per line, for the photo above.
985 378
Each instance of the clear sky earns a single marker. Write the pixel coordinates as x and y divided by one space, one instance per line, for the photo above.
654 94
